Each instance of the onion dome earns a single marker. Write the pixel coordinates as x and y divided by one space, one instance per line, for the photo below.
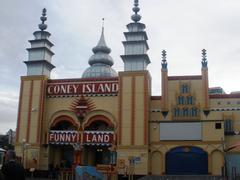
100 62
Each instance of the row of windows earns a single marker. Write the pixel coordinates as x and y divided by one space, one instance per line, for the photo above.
185 100
186 112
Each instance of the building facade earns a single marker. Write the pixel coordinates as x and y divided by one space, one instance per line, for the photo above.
110 120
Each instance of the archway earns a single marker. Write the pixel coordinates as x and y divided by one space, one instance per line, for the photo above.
97 152
186 161
61 153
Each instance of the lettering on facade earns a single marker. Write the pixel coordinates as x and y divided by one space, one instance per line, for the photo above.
73 88
89 137
63 137
98 137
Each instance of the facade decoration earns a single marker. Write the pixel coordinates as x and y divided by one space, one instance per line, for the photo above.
111 121
186 106
81 106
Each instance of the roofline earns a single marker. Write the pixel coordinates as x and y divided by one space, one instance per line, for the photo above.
82 79
224 96
191 77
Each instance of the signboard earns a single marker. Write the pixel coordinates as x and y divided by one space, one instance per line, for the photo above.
98 137
63 137
82 88
181 131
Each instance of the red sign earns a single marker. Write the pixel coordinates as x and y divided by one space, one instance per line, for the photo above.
80 88
63 137
98 137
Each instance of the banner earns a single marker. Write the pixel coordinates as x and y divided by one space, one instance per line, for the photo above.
98 137
63 137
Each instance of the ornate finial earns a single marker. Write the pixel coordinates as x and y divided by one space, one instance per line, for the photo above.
164 59
103 24
43 18
204 58
136 17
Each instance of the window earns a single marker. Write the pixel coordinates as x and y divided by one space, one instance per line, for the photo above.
180 100
184 88
218 126
176 112
228 127
185 111
194 111
189 100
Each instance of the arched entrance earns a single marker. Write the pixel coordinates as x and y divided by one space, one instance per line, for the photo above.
61 153
186 161
98 138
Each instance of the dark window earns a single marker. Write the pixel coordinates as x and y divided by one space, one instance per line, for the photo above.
218 126
184 88
189 100
228 126
176 112
185 111
181 100
194 111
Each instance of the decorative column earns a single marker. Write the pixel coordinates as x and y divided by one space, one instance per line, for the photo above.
164 72
205 83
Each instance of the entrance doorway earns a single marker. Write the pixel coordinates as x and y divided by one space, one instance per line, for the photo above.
62 154
95 155
187 161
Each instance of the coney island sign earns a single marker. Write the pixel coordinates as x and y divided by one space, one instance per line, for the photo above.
57 88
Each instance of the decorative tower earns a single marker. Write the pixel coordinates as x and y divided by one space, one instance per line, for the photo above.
134 95
135 57
100 62
164 72
29 132
205 82
40 54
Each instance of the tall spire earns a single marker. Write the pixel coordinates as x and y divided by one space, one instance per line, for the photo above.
40 53
164 59
135 56
43 18
204 58
100 62
136 17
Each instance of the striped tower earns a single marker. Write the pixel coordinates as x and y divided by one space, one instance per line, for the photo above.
29 135
134 95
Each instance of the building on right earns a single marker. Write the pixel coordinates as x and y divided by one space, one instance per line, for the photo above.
196 128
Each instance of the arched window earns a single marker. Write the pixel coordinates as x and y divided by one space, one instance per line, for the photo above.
176 112
189 100
63 125
99 125
194 111
185 88
181 100
185 112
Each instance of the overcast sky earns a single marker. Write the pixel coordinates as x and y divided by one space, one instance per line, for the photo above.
181 27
